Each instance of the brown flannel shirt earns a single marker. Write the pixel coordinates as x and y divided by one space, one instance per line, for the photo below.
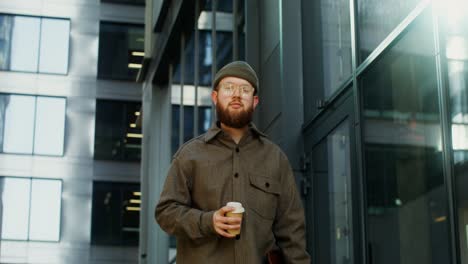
211 170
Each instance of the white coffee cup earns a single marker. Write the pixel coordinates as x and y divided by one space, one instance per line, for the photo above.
238 212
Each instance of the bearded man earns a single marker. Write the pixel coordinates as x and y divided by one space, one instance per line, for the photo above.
233 162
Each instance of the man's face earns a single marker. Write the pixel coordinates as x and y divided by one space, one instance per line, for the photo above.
234 103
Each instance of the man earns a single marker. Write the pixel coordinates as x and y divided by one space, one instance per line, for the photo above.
233 161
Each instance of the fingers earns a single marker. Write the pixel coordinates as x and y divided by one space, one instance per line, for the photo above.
222 223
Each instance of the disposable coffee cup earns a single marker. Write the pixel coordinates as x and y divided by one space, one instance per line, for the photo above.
238 212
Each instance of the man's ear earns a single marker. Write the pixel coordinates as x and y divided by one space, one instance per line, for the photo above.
255 101
214 97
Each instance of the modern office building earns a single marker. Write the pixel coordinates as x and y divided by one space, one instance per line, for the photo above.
69 144
367 98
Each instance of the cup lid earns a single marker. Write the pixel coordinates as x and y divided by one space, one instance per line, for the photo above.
237 205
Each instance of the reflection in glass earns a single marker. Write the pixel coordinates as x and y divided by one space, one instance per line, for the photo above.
25 44
120 50
115 213
335 44
205 58
15 198
50 126
333 186
339 173
44 223
54 46
223 48
19 124
406 191
117 136
455 25
376 19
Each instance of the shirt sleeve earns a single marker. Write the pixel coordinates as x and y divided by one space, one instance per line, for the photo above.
174 212
289 225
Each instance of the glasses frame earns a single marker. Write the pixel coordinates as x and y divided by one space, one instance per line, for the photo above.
230 89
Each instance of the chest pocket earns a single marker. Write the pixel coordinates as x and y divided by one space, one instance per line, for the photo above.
263 195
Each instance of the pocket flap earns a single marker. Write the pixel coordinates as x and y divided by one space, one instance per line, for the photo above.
265 184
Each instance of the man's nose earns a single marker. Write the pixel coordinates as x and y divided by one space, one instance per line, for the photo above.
237 92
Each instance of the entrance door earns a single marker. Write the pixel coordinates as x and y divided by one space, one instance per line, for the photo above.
330 202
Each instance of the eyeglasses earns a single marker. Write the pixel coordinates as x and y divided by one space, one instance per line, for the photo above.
228 89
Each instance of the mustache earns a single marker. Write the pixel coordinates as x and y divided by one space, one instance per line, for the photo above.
236 102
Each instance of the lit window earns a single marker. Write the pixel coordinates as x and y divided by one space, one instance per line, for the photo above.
15 208
54 46
31 209
19 124
50 126
34 44
44 223
32 124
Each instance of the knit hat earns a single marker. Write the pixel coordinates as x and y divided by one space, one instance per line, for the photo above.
239 69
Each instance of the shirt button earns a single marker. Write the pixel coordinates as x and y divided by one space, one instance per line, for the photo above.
237 150
267 184
236 175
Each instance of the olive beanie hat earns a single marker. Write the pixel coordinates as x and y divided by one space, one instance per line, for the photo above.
239 69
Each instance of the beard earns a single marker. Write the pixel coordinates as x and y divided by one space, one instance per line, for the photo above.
235 119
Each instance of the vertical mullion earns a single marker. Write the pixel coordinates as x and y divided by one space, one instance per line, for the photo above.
235 31
361 179
213 38
196 69
39 46
213 48
447 151
34 125
29 207
182 73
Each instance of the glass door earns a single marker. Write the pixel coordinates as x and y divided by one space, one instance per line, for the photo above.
330 204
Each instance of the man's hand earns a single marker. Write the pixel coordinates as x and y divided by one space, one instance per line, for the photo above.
222 223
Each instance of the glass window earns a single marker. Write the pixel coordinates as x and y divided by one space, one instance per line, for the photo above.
25 44
19 124
332 176
54 46
34 44
115 213
44 223
117 136
15 198
407 220
372 26
454 25
50 126
121 49
223 48
335 44
205 58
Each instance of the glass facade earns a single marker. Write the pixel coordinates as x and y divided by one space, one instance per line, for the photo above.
372 28
121 49
410 96
406 191
115 213
455 53
117 136
34 44
335 45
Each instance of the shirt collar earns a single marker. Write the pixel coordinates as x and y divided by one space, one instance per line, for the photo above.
216 129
